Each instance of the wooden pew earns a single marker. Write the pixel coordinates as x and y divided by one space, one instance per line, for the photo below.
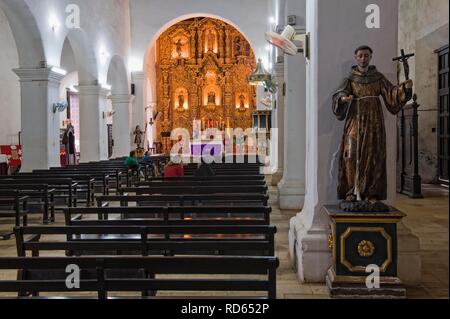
13 205
65 188
237 189
38 194
200 183
148 240
84 178
117 176
97 274
169 215
186 200
209 178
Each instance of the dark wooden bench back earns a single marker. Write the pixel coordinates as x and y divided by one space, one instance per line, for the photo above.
95 276
171 215
64 187
148 240
237 189
38 194
186 200
200 183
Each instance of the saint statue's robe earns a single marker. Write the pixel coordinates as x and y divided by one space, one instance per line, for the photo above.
362 167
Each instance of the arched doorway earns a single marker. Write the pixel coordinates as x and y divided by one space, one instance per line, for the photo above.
198 69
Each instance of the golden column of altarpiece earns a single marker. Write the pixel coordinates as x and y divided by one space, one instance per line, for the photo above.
202 69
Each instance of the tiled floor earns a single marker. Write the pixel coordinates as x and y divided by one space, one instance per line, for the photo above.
428 218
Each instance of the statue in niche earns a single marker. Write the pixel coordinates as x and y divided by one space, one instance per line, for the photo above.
247 49
179 46
238 47
242 101
362 169
181 101
212 98
210 42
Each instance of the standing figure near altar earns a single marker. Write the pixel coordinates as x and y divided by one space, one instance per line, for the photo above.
362 168
138 134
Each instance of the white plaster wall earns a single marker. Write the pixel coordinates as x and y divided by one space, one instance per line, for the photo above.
150 17
340 32
423 28
106 23
9 86
68 61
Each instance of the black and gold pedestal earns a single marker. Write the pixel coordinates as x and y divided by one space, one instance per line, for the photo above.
364 244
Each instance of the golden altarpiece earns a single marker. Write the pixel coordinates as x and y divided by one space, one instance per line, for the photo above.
202 69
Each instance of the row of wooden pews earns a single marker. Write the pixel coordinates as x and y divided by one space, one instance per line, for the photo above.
156 238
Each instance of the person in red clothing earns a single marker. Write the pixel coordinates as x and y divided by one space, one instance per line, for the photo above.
174 168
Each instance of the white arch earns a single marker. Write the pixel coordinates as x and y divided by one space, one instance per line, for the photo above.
186 17
117 76
84 56
26 33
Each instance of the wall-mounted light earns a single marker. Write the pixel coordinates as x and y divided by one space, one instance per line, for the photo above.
272 20
54 23
108 114
59 70
106 87
104 56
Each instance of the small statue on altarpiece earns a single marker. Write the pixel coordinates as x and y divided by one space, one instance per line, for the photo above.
212 98
179 46
181 101
242 101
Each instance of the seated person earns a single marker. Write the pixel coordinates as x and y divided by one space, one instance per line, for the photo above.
204 170
174 168
147 159
131 162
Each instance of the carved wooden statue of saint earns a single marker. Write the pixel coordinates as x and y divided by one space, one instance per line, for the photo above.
138 136
362 169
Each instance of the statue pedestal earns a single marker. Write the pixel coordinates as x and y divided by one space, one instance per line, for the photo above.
365 254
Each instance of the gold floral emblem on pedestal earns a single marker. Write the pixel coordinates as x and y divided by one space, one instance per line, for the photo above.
330 238
366 248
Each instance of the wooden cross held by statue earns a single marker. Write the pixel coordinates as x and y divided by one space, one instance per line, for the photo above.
404 59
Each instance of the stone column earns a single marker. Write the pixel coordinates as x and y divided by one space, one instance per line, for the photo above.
93 129
138 108
330 62
40 126
292 186
122 124
278 119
